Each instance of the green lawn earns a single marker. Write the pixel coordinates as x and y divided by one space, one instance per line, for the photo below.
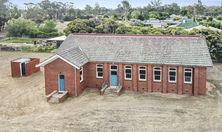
19 40
187 24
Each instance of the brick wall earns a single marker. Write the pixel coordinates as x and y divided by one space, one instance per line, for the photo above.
15 69
30 67
52 70
198 86
199 79
81 85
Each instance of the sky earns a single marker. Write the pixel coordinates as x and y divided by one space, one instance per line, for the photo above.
113 3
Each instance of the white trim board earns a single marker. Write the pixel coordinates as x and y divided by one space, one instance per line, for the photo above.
47 61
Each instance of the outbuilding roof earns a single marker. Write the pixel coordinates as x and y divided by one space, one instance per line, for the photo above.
137 49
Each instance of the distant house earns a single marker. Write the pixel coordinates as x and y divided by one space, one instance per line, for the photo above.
147 63
155 23
171 22
173 16
186 20
203 27
57 40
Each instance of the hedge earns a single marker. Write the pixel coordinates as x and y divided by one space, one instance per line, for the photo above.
40 34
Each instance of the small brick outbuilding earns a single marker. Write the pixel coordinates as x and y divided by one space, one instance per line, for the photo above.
24 66
148 63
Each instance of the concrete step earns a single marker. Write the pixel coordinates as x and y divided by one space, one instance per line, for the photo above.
54 100
110 91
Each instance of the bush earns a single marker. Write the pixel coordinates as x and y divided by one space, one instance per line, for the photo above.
166 26
177 18
135 22
201 23
40 34
19 27
49 27
42 48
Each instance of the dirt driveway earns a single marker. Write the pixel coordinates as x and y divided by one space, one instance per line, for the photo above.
23 107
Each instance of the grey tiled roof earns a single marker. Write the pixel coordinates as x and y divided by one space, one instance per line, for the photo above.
139 49
74 55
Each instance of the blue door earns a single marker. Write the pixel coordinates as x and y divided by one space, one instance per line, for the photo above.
61 82
113 78
23 69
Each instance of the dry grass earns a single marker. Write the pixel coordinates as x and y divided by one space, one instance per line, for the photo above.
24 108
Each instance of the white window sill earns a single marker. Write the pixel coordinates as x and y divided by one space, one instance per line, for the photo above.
99 77
128 79
172 82
156 81
142 80
187 82
81 81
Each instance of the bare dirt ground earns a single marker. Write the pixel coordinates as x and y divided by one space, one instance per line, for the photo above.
23 107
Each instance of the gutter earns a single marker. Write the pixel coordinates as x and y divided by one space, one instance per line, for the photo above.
75 84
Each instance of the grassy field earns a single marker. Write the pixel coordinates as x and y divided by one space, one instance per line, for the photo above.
24 107
187 24
19 40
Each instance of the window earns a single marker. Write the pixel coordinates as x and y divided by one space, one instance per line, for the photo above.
128 73
99 71
157 74
81 74
142 73
172 75
113 67
188 76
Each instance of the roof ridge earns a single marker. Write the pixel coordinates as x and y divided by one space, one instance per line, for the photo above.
136 35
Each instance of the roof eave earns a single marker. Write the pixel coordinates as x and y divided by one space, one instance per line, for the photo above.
49 60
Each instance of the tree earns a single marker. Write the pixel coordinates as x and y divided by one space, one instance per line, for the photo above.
219 17
78 26
135 22
156 4
88 9
49 27
19 27
3 13
183 12
135 14
96 9
126 7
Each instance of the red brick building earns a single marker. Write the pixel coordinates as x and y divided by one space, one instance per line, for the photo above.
24 66
149 63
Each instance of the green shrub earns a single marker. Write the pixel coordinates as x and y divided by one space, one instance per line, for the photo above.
177 18
42 48
166 26
40 34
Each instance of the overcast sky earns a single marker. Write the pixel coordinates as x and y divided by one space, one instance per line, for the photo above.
113 3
